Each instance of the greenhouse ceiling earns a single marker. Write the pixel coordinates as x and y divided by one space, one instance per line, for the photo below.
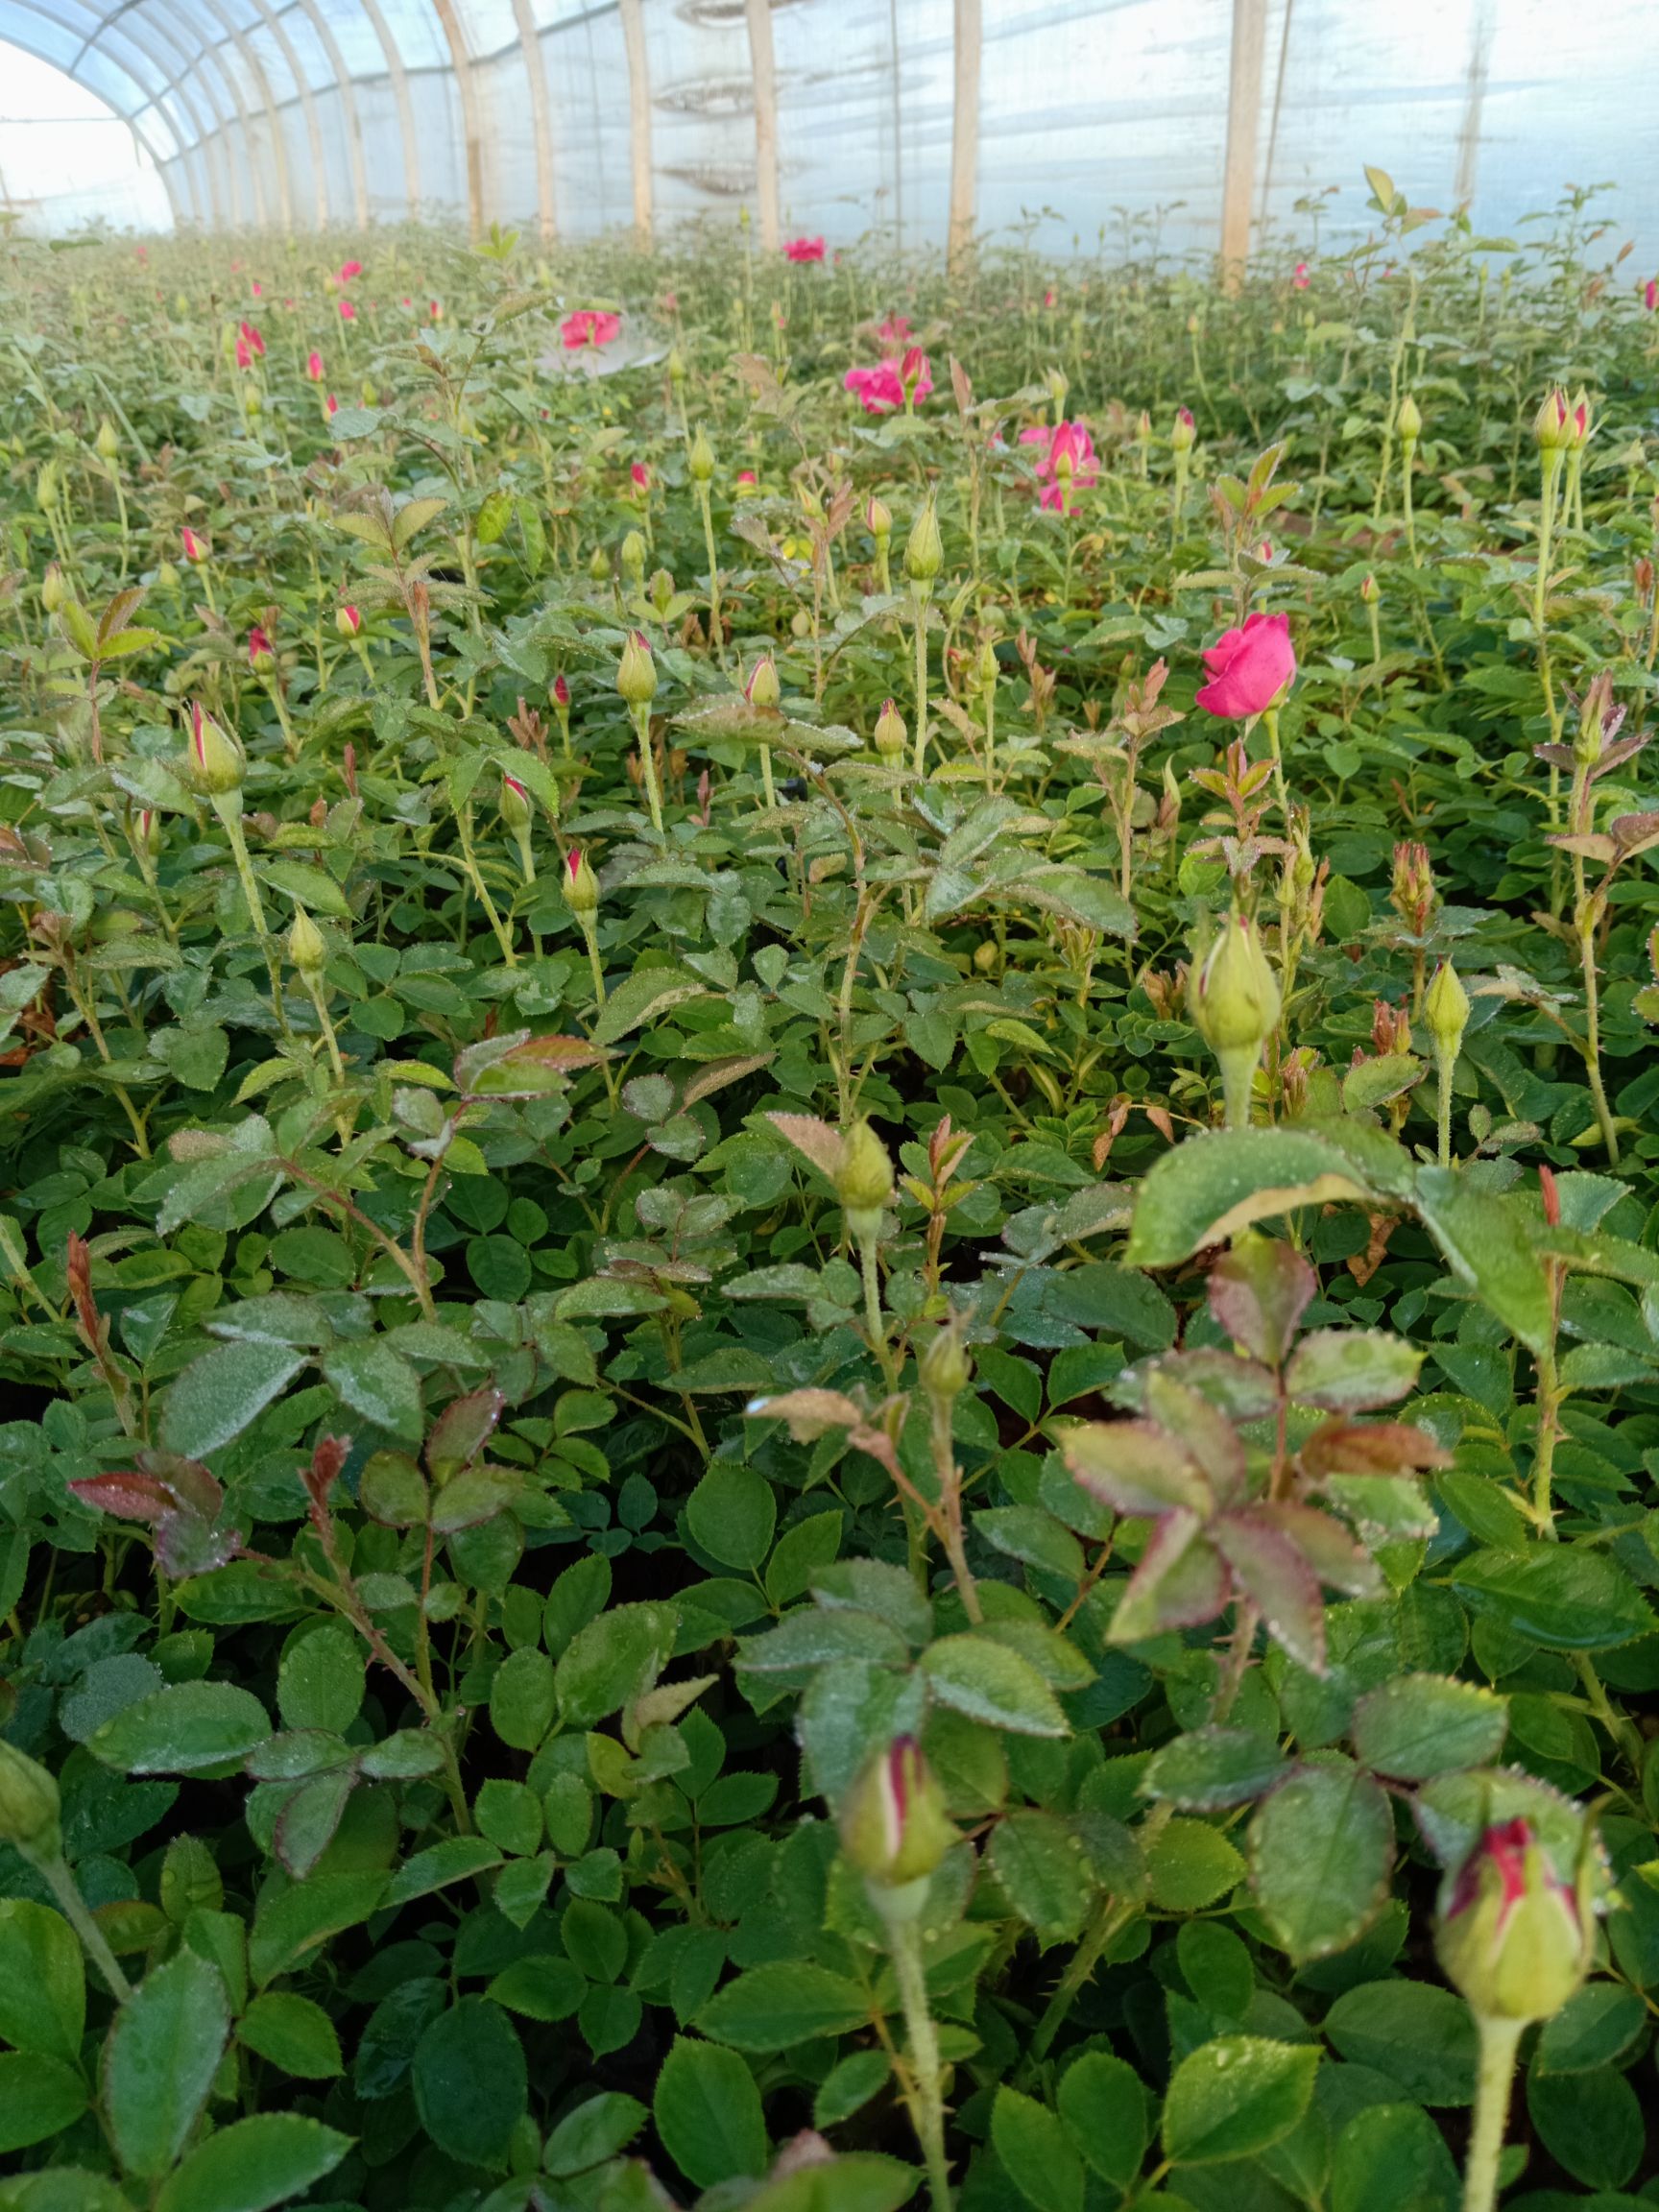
1201 124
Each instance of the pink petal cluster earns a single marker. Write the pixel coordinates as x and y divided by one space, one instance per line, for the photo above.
882 389
1301 279
1650 293
349 269
803 250
587 327
894 331
1068 446
1248 670
314 365
348 313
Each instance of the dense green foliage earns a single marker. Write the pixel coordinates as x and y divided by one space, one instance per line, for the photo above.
579 1265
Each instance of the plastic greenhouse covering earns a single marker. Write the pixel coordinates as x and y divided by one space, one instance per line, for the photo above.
1120 123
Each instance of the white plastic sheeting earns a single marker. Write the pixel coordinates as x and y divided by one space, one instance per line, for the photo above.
1106 123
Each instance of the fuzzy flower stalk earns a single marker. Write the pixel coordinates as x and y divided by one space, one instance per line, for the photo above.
31 1822
1515 1940
896 1831
924 558
864 1184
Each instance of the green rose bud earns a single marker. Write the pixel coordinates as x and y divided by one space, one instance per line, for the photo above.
634 556
29 1807
213 763
764 689
894 1825
924 552
1445 1010
944 1367
54 591
701 462
637 671
1513 1938
864 1180
599 565
306 947
581 884
1552 425
891 735
1234 1003
106 443
515 809
1408 421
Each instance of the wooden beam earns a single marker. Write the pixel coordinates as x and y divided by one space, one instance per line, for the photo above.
638 112
1243 126
763 68
965 131
541 117
461 62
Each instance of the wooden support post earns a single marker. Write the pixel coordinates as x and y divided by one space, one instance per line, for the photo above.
965 132
764 70
638 112
461 62
541 117
1243 126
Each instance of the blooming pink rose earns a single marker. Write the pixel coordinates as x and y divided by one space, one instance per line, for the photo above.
878 389
349 269
588 326
803 250
1301 279
1068 443
1249 669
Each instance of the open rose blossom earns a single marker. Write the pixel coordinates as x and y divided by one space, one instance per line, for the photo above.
894 331
1070 449
882 389
1249 669
349 269
588 326
803 250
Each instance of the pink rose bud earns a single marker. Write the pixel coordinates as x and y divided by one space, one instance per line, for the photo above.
348 313
581 884
332 405
213 763
1514 1937
259 653
1650 293
348 621
1301 279
561 690
894 1825
314 365
244 354
1249 669
256 344
195 548
640 478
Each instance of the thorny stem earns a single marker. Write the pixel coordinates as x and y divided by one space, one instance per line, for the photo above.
926 2100
1111 1916
1500 2040
921 755
55 1874
648 765
949 1476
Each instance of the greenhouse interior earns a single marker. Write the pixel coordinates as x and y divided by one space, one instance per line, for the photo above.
829 1106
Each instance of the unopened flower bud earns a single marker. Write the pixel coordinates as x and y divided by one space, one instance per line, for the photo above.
890 732
260 657
213 763
1183 431
925 553
1368 592
863 1181
634 556
1446 1011
879 518
348 621
894 1825
675 366
701 459
54 591
306 950
599 565
1578 424
108 446
561 693
29 1807
581 884
637 671
516 808
764 689
1235 1004
1514 1937
944 1367
1552 425
147 828
194 545
1408 421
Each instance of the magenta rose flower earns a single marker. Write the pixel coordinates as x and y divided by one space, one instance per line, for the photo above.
1250 670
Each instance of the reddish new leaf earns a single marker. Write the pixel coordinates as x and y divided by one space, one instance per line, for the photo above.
1273 1573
